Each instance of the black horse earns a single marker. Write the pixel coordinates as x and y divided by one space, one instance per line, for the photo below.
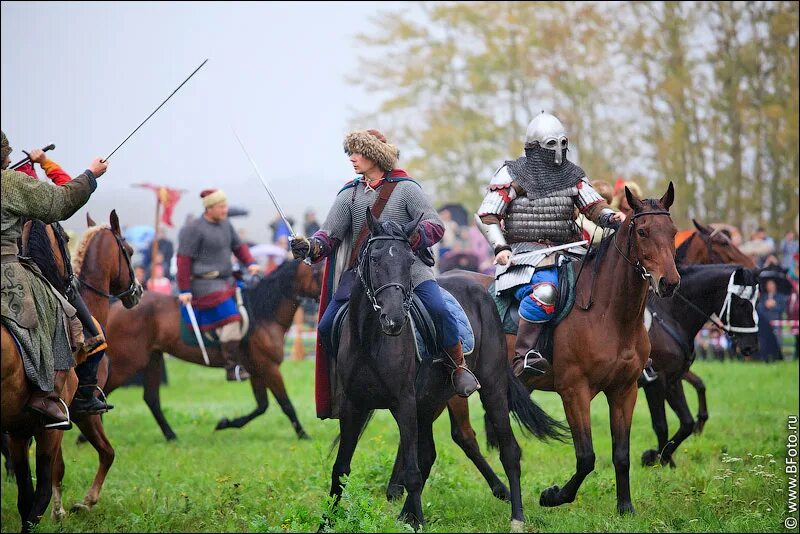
377 368
724 294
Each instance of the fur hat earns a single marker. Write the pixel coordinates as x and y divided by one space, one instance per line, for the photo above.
212 196
6 150
372 145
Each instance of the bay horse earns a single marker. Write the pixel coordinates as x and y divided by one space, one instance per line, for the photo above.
726 295
376 368
703 246
581 368
138 339
42 244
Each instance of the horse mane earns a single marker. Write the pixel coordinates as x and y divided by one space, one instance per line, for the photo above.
268 293
41 251
80 254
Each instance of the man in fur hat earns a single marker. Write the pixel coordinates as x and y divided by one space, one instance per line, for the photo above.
205 277
374 159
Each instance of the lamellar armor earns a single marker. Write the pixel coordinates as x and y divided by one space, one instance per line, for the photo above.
530 205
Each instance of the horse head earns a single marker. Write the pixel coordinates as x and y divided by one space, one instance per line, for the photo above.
651 241
105 265
738 314
309 280
385 271
719 248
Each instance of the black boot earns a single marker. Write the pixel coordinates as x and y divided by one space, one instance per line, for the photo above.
93 339
234 370
48 404
85 402
525 355
464 382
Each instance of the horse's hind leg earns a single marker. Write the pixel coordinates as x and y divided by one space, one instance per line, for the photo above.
151 380
655 394
9 465
576 402
702 406
495 402
92 428
18 447
677 401
620 404
464 435
47 445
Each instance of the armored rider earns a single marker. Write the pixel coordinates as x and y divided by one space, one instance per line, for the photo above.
205 277
374 159
528 211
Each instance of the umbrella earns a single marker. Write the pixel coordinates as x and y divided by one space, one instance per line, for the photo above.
268 249
782 284
457 212
236 211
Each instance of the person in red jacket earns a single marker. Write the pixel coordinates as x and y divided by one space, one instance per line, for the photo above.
84 401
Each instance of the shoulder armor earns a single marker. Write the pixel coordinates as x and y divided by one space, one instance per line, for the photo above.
501 178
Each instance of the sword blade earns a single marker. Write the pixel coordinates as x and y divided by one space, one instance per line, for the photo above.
197 334
154 111
266 186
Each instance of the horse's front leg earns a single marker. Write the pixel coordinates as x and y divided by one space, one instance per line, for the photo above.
406 416
18 446
656 399
620 405
258 383
702 405
677 401
576 400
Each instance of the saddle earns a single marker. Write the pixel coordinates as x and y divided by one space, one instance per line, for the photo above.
508 307
427 347
210 338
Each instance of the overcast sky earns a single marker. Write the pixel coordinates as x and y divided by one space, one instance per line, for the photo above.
83 75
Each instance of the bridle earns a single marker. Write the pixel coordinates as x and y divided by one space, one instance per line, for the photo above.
134 286
364 274
638 267
722 319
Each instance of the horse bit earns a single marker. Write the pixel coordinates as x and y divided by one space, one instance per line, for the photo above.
366 280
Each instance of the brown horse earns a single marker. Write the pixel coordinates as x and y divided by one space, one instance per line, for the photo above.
138 338
15 391
703 246
643 254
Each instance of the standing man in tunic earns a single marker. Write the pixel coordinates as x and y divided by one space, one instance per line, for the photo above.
205 277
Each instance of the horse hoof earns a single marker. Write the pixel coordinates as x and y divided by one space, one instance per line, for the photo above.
517 525
668 461
302 435
412 521
59 514
549 497
223 423
650 458
171 436
81 439
502 493
626 509
80 507
394 492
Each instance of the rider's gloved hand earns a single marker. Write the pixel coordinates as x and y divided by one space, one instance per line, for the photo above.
301 247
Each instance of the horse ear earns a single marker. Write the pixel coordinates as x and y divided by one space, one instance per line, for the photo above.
668 197
372 222
702 228
89 221
412 226
115 222
633 202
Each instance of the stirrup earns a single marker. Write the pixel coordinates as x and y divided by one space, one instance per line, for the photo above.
468 370
537 355
649 376
66 425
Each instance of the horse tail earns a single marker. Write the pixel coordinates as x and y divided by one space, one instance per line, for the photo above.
529 415
338 437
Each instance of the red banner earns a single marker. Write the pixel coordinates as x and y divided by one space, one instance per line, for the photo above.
167 197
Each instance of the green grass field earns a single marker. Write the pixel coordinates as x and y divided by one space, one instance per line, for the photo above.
263 479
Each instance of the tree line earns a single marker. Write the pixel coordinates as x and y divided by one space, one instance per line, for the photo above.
704 94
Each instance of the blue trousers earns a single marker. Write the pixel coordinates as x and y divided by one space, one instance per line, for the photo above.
529 308
428 292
